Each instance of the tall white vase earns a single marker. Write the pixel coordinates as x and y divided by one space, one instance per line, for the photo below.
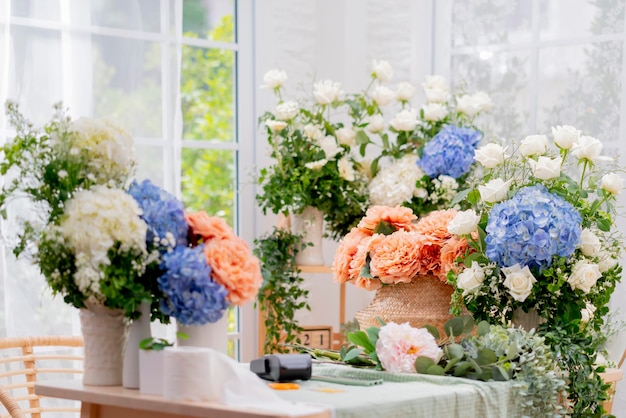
527 320
310 224
211 335
139 330
104 336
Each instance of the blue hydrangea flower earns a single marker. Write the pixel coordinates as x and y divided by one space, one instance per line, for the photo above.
190 295
531 228
450 152
164 214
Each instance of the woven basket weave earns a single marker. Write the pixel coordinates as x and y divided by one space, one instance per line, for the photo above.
424 301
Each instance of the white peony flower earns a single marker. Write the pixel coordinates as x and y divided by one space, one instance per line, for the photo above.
276 125
346 136
482 101
490 155
470 279
405 92
287 110
405 120
434 112
590 244
494 190
383 95
612 183
565 136
346 170
467 105
584 276
313 132
436 89
375 123
316 165
464 222
519 281
382 70
545 168
533 145
589 148
274 79
326 91
395 184
330 147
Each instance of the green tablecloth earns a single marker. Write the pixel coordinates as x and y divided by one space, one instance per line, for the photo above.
406 395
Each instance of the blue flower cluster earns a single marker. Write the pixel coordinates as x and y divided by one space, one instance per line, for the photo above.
450 152
190 295
531 228
163 213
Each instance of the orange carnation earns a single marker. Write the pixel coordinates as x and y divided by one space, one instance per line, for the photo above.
346 250
234 267
360 257
436 223
400 217
454 248
396 259
203 227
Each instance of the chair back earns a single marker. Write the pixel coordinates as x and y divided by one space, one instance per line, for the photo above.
26 360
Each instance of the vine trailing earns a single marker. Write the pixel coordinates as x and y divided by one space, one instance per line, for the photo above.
281 294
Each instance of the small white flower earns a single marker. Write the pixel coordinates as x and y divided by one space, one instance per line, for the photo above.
491 155
584 276
405 92
533 145
346 170
589 243
607 261
313 132
383 95
382 70
405 120
274 79
62 174
464 222
589 148
276 125
316 165
565 136
346 136
326 91
470 279
375 123
545 168
330 147
494 190
434 112
612 183
287 110
587 313
519 281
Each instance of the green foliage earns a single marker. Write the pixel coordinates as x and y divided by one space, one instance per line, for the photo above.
156 344
281 294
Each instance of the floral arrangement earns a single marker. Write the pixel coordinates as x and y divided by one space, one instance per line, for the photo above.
543 241
486 352
390 246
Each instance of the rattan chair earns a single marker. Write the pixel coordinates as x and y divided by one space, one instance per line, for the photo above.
23 360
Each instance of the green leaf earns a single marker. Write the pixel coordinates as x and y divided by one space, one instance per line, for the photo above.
454 327
486 356
422 364
604 225
361 339
483 328
435 370
385 228
499 374
433 331
451 364
468 324
460 196
473 196
362 138
462 368
352 354
454 351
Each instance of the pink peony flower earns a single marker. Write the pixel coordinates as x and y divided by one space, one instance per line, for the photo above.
398 216
399 345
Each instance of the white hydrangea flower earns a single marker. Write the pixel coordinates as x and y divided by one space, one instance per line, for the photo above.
395 184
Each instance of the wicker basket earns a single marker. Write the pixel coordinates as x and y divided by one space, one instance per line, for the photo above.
424 301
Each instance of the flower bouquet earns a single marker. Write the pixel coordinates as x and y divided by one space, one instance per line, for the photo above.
544 242
406 261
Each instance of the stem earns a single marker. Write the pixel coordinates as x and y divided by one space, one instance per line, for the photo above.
582 176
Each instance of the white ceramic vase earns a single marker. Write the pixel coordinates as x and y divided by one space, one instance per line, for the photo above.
151 372
104 336
139 330
210 335
309 224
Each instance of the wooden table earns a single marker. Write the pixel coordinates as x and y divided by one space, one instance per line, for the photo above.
119 402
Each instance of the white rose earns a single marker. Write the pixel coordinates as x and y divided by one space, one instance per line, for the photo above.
464 222
584 276
519 281
587 313
274 78
612 183
471 278
405 92
326 91
346 136
546 168
313 132
330 147
375 123
382 70
286 110
533 145
565 136
490 155
382 95
316 165
435 112
607 261
346 170
589 148
276 125
590 243
482 101
436 89
405 120
467 105
494 190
